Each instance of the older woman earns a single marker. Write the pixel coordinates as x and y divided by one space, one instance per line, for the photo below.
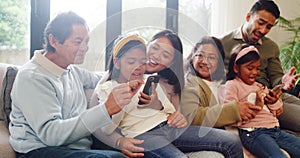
205 73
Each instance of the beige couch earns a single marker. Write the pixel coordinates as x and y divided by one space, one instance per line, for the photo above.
6 151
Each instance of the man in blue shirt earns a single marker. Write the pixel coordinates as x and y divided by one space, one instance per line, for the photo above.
49 115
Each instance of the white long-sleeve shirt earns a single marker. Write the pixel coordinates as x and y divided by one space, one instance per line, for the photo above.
49 107
132 120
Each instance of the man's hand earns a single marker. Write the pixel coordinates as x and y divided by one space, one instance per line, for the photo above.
248 110
121 95
177 120
129 148
134 86
289 79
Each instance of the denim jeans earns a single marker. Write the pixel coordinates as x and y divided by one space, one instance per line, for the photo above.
62 152
266 142
167 142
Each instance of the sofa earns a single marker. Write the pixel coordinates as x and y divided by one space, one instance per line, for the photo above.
7 76
6 151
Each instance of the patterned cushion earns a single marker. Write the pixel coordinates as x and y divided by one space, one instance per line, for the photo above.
7 84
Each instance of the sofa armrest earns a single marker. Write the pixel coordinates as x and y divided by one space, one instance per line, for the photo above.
6 151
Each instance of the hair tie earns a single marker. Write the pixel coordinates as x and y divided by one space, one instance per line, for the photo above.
124 41
245 51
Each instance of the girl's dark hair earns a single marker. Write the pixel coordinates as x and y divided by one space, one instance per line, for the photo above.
174 74
133 44
219 74
61 28
251 56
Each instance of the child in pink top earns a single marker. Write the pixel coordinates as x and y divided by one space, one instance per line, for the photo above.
260 135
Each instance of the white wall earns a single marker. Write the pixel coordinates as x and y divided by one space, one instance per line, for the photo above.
288 9
228 15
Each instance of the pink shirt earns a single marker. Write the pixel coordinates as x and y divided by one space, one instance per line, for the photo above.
237 90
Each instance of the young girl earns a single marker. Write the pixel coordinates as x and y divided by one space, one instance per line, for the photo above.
128 63
261 135
149 122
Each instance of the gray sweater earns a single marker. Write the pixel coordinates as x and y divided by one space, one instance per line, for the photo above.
49 107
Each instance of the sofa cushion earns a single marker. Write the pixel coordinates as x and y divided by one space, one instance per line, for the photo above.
7 84
2 74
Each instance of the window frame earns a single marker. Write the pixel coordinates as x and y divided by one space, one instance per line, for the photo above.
40 15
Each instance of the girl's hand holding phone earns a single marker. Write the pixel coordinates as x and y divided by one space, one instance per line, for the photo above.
274 94
148 97
150 101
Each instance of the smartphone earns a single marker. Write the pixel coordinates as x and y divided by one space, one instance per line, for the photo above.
147 88
276 89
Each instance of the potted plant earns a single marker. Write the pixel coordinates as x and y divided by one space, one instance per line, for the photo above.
290 50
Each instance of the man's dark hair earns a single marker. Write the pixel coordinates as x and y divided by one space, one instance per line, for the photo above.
267 5
61 28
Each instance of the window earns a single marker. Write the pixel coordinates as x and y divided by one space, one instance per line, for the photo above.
14 31
193 22
143 17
